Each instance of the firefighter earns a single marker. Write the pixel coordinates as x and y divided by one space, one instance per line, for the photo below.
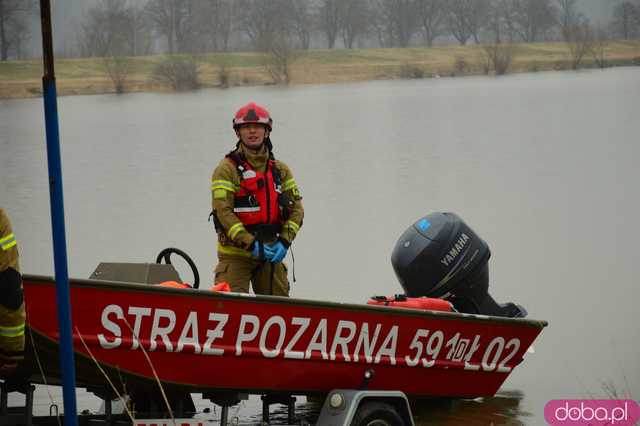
12 314
257 209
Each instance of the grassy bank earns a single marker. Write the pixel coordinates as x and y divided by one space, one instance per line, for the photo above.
20 79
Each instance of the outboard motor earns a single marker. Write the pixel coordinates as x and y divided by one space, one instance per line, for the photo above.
440 256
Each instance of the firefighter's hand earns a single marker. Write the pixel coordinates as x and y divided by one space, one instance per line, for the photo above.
261 251
279 252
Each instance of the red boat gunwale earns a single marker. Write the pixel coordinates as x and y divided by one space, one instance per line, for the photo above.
138 287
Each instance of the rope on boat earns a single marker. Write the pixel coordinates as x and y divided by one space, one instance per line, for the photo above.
44 379
155 375
124 403
122 383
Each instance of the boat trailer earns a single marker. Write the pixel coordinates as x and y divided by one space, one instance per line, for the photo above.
341 407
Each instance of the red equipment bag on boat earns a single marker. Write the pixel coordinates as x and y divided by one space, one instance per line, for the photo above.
223 286
402 301
174 284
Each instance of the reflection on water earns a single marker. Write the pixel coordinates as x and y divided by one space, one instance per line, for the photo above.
502 409
305 413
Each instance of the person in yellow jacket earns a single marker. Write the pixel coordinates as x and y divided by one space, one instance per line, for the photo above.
12 314
257 209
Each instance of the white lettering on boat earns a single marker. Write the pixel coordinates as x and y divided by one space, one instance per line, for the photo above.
388 347
318 345
214 334
243 335
302 338
282 330
162 332
139 313
288 351
365 343
455 250
189 335
111 326
470 351
342 341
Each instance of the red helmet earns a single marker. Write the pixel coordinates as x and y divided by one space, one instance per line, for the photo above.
252 113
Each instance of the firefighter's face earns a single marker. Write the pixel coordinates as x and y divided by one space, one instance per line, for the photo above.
252 135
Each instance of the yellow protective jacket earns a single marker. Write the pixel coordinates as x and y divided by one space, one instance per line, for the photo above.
12 313
225 182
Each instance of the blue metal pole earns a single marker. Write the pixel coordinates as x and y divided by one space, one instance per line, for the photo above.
67 364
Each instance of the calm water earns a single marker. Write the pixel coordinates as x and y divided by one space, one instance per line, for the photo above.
543 166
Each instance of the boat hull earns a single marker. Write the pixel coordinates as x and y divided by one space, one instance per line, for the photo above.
202 341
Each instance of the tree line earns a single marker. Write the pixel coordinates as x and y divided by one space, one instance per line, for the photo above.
132 28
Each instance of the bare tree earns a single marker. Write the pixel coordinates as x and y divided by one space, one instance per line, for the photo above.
181 72
478 17
459 19
118 68
529 19
212 21
580 42
502 21
262 21
224 25
396 21
279 58
110 31
380 24
301 21
404 20
626 20
139 32
431 15
174 20
329 20
269 25
107 30
600 44
499 56
354 22
568 18
13 28
499 22
19 35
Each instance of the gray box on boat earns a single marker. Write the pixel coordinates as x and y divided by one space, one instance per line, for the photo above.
145 273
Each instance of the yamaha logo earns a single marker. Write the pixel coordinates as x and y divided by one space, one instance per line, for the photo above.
457 248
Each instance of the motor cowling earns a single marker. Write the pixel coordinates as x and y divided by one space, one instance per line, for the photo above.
441 256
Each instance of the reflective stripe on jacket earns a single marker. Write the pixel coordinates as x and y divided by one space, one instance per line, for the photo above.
12 321
227 185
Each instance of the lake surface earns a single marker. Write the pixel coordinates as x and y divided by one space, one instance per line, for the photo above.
544 167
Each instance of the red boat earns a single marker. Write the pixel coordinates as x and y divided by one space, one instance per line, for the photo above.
218 342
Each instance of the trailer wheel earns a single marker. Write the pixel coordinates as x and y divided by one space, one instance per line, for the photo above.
376 413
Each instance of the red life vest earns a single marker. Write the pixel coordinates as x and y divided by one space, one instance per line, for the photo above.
256 202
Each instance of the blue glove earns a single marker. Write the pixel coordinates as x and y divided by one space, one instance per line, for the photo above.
261 251
279 251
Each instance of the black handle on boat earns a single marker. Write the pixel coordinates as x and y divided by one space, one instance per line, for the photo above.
166 256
